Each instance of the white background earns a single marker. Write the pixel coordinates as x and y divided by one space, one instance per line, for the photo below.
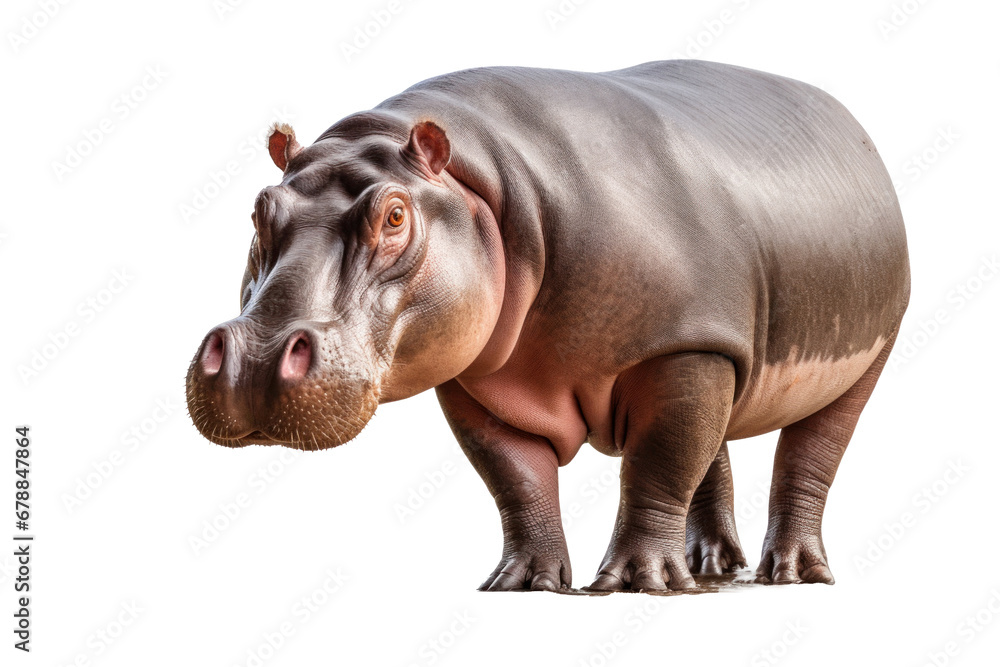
901 593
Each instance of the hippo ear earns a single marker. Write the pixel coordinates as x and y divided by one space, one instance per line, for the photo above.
429 145
282 145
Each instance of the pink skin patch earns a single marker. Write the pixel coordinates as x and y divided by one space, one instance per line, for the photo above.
783 393
211 356
298 357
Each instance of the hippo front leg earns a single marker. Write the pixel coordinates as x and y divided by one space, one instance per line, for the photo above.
673 411
521 472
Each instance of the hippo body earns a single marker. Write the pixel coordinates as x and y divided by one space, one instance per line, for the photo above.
655 260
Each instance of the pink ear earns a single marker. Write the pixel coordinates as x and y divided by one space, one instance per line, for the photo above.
430 145
282 145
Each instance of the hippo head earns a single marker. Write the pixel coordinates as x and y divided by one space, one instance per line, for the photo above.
368 280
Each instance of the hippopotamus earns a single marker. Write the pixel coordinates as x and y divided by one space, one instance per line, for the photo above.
657 261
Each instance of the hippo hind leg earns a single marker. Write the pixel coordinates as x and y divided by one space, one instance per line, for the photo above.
713 547
805 463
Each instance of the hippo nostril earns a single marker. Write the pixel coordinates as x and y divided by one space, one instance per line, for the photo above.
297 359
213 353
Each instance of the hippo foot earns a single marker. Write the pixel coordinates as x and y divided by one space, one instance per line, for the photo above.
640 568
713 548
794 560
527 571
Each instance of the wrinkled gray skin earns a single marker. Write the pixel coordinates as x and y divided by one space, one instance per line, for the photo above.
656 261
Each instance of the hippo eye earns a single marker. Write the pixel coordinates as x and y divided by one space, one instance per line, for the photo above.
396 216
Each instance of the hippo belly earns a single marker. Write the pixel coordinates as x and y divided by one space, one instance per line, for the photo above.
571 410
554 412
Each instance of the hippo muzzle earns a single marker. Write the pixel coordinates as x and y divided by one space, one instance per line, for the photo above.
295 388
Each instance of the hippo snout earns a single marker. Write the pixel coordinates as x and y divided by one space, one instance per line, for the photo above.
296 388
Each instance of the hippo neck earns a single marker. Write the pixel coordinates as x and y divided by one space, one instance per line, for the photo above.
512 231
516 278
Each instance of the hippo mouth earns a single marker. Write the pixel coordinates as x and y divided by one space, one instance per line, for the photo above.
259 437
256 438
